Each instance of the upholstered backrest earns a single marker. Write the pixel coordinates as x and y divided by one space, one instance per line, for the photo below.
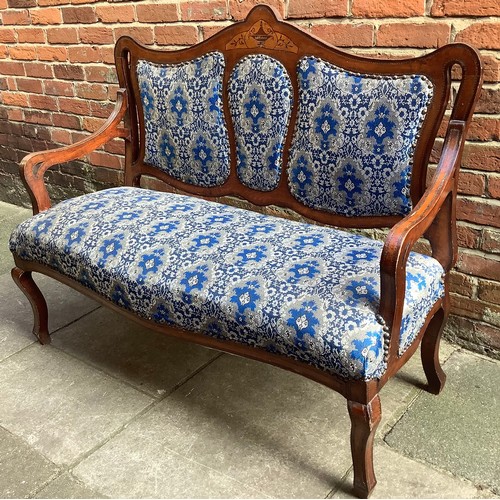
266 112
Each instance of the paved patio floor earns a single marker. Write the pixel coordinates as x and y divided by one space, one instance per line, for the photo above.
112 410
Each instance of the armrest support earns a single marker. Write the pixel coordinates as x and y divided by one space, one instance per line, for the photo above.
433 214
34 165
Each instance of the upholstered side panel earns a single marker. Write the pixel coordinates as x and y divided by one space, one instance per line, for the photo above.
185 130
260 100
354 139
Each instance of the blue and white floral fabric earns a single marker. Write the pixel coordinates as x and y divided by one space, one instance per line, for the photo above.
305 291
260 100
354 139
185 129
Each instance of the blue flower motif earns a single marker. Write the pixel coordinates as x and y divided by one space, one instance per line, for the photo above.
42 227
75 234
313 240
255 109
219 219
261 228
246 297
110 247
178 105
150 262
126 215
253 254
147 98
301 175
349 183
119 296
167 149
368 254
370 344
181 207
193 280
326 125
380 128
357 85
303 321
162 315
165 227
306 68
418 279
306 270
203 153
364 290
205 240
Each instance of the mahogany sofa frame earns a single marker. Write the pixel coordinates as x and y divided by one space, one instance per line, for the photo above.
432 217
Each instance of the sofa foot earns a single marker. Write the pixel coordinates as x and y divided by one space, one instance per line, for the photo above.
364 421
436 377
25 282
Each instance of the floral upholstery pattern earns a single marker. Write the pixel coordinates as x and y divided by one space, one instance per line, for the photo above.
305 291
185 130
354 139
260 100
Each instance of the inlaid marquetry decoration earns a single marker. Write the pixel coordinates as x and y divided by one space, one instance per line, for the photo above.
262 36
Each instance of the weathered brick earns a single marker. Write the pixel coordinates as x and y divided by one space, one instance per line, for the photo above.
11 68
97 92
483 35
55 87
68 72
142 34
484 128
482 157
478 211
100 109
387 8
14 99
43 102
60 136
105 160
21 4
494 186
491 240
23 52
79 15
475 309
479 264
16 17
491 65
488 335
489 291
100 74
459 8
157 13
48 15
209 30
7 35
92 124
431 35
30 35
67 121
52 53
75 106
115 13
30 85
210 10
468 236
83 54
462 284
176 35
345 35
489 101
239 10
38 70
471 183
62 35
328 8
97 35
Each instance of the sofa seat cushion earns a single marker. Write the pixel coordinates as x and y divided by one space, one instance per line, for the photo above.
306 291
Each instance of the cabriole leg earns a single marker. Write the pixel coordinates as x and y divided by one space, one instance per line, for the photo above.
364 421
25 282
430 353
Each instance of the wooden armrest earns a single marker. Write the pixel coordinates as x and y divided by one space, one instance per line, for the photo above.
34 165
434 215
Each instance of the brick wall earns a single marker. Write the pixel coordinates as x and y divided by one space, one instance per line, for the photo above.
57 83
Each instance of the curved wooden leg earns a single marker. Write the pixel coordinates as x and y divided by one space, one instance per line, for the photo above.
364 422
436 377
25 282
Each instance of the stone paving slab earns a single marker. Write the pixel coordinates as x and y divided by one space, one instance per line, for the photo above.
60 406
66 486
16 317
10 217
274 432
23 470
148 360
459 430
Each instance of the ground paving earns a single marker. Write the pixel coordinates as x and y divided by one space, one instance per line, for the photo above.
111 410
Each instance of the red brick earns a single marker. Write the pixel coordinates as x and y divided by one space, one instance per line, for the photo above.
481 35
30 35
494 186
474 309
307 9
489 291
62 35
488 335
52 53
79 15
239 10
387 8
462 284
44 3
14 99
67 121
30 85
75 106
208 31
157 13
11 68
176 35
100 74
7 35
471 183
489 101
105 160
46 15
210 10
84 54
100 109
21 4
39 117
430 35
478 264
93 91
116 146
17 17
38 70
143 34
464 9
59 136
345 35
68 72
468 236
23 52
484 129
491 68
106 55
115 13
491 241
55 87
43 102
482 157
15 114
97 35
478 211
92 124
